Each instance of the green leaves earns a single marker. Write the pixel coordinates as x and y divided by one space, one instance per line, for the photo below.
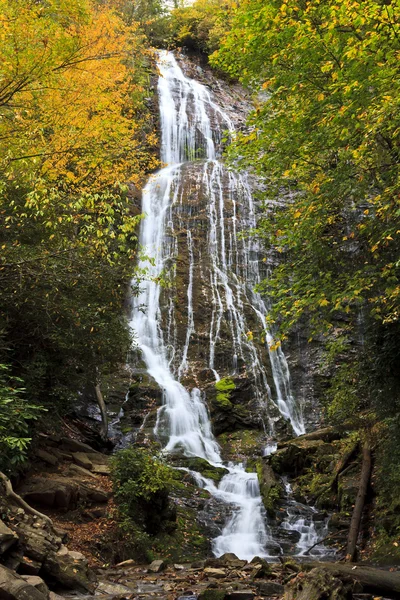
16 414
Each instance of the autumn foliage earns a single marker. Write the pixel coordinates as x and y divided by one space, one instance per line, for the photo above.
76 136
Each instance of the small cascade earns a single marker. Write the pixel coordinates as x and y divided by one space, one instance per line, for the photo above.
306 526
192 126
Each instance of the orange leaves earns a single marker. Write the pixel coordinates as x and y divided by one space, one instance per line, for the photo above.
73 94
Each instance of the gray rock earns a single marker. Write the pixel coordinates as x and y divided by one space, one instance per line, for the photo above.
157 566
14 587
7 537
37 582
270 588
112 588
217 573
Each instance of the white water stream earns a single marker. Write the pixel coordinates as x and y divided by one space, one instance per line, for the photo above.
188 117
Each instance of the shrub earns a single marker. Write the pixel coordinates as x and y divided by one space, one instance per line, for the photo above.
141 485
15 417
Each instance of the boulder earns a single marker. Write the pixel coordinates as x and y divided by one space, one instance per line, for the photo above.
7 537
14 587
157 566
68 568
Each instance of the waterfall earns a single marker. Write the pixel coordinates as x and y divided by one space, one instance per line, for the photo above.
192 126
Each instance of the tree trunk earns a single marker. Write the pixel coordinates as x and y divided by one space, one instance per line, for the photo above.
103 410
359 505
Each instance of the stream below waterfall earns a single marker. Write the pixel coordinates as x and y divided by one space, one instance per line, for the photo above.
192 127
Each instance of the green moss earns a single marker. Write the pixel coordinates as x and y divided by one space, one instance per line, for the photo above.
224 388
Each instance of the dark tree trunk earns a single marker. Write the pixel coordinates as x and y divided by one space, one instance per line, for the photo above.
359 505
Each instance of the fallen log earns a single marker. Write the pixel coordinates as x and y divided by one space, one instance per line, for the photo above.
375 581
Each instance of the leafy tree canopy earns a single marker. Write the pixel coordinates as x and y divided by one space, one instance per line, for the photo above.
76 138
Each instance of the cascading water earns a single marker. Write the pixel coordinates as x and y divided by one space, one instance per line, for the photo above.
191 126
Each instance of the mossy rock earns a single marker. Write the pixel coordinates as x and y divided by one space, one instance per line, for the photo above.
271 489
294 458
203 467
242 443
224 387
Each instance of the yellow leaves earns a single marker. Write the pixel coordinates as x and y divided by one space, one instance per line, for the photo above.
321 97
323 302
